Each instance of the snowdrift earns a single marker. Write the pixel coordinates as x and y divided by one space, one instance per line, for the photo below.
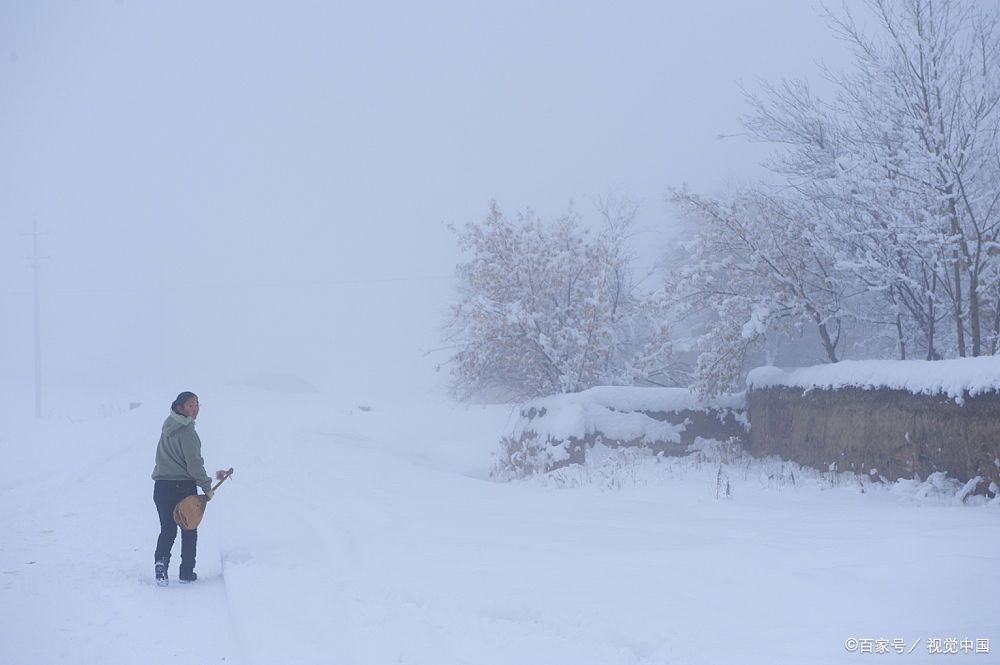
558 430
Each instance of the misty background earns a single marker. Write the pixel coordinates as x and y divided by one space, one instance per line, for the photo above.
231 188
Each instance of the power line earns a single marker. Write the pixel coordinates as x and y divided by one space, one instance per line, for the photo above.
243 285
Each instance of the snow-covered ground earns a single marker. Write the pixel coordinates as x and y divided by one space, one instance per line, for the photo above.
368 532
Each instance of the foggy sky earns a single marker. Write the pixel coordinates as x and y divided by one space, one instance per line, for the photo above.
229 187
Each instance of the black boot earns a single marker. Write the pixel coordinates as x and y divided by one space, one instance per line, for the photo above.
160 568
189 548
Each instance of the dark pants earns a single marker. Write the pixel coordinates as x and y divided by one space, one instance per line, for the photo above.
166 494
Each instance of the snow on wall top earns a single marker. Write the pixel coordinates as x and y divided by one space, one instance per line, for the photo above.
954 378
614 411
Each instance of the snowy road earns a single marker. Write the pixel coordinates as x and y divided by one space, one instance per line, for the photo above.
74 580
355 537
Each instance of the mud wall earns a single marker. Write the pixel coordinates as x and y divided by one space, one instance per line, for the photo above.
885 433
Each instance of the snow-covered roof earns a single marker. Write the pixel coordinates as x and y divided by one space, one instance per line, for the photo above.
954 378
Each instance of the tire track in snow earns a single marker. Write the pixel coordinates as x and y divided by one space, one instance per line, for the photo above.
287 578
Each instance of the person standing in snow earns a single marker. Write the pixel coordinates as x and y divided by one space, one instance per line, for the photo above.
179 471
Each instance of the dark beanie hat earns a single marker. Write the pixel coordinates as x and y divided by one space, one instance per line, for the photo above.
179 402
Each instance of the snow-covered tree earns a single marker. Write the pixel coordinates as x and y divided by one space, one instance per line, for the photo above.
890 190
876 228
549 308
925 107
759 265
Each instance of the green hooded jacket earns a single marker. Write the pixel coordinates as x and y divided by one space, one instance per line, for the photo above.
178 455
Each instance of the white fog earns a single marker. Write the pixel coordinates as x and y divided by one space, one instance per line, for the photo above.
263 203
230 187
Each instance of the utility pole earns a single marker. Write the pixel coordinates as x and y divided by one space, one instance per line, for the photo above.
36 264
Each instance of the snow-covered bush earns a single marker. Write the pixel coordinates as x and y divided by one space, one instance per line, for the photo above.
552 308
605 467
528 453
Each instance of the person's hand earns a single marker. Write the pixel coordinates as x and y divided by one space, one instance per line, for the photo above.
209 494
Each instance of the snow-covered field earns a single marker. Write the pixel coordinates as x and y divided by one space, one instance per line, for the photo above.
373 535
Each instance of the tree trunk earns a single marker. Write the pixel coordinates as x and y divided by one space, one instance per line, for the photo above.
974 314
899 336
829 345
931 353
957 275
996 329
